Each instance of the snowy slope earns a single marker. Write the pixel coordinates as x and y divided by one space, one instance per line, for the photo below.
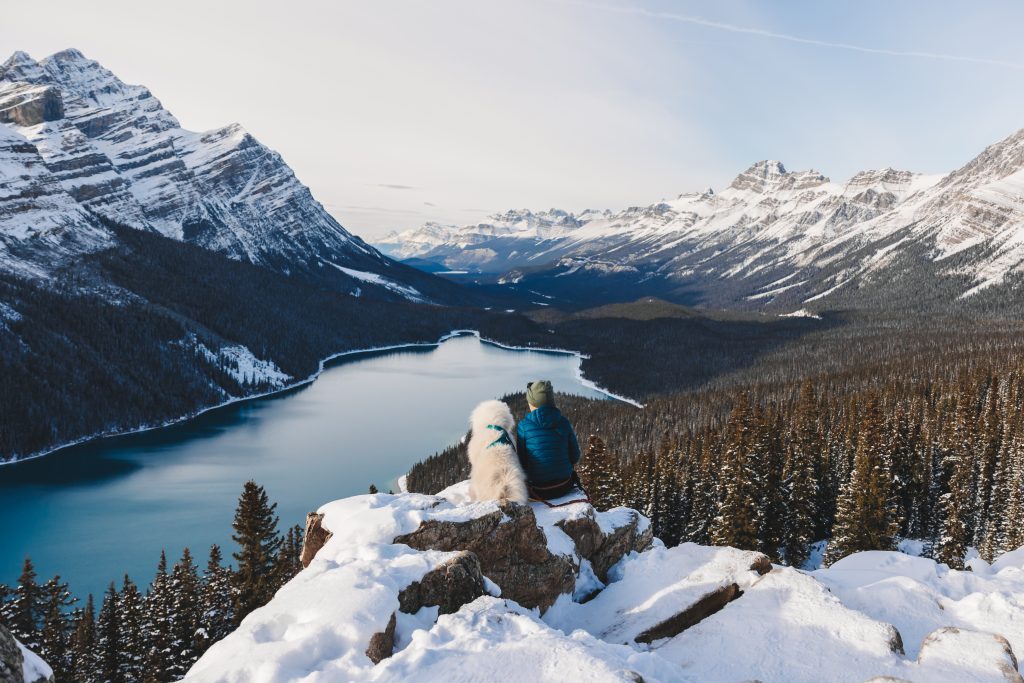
851 622
772 225
78 145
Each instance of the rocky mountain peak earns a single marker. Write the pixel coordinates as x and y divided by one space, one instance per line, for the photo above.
769 175
21 67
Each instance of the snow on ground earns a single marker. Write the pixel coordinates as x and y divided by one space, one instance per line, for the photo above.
33 667
652 587
244 367
843 623
917 595
410 293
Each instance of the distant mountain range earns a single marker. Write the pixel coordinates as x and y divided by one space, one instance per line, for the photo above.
78 145
773 239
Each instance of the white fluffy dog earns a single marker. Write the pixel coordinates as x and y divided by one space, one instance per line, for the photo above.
495 470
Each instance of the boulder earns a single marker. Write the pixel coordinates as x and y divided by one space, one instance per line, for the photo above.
451 585
382 644
511 549
314 538
949 648
604 550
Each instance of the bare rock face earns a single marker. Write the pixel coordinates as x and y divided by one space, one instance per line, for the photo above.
605 550
449 586
11 660
13 667
29 105
512 551
314 538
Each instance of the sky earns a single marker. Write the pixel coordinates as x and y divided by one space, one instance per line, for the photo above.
397 113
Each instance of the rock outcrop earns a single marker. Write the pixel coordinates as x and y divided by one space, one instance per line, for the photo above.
511 549
449 586
11 660
314 538
19 665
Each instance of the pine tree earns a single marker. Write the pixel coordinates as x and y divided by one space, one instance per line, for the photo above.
600 477
864 513
801 480
131 611
157 626
55 637
26 610
108 639
703 485
218 616
289 558
373 489
185 615
989 443
736 523
84 662
255 527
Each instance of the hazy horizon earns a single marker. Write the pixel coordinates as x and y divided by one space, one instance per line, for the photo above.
395 114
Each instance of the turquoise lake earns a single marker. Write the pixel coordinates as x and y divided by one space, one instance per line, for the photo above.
93 512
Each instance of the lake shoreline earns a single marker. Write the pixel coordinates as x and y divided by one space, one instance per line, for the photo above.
323 364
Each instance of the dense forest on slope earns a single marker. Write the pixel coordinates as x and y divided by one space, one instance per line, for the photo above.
861 434
115 343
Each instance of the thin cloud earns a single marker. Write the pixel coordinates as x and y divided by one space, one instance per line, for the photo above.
732 28
391 186
429 204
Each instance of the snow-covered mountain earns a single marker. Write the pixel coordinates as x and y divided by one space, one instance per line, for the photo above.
438 588
772 238
78 146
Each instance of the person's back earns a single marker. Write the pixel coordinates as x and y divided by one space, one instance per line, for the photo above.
548 449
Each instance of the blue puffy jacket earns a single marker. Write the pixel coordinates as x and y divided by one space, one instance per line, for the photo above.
548 448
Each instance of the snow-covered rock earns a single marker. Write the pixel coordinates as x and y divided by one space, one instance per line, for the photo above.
371 606
79 147
18 664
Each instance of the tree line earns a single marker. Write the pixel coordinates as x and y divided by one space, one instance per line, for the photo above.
155 635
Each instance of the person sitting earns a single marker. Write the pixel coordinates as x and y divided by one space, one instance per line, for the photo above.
548 448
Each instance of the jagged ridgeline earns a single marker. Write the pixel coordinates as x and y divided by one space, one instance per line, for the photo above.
772 240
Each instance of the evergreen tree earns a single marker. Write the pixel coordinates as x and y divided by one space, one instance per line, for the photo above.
108 639
289 559
84 661
703 485
736 523
25 612
132 615
185 615
373 489
255 527
864 513
600 477
157 626
55 637
801 480
218 616
990 441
